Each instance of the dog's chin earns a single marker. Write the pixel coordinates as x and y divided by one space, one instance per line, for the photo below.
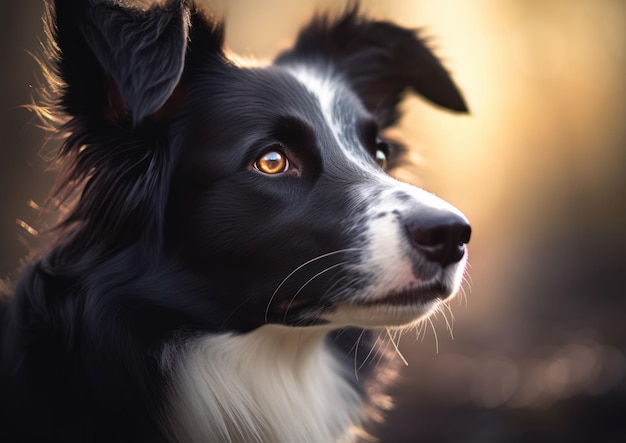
395 309
368 316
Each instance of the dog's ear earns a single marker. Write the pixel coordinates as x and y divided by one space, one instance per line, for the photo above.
118 62
119 76
379 59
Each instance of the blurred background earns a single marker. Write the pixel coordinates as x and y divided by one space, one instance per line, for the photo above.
539 167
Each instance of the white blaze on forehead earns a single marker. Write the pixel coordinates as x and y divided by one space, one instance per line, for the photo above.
415 198
325 87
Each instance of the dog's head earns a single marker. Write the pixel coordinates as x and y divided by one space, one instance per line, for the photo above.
264 186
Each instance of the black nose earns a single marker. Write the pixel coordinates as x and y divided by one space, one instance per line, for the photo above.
439 234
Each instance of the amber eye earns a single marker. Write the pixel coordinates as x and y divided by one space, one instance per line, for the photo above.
272 162
381 157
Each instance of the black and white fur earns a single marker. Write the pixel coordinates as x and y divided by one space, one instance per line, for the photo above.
190 295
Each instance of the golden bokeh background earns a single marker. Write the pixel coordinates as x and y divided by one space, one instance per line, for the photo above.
539 167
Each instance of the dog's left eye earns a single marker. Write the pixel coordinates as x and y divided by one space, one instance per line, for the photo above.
272 162
380 156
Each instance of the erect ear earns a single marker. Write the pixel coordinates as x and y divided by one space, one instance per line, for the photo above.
380 61
119 62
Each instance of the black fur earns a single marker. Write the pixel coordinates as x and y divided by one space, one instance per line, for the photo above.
170 233
380 61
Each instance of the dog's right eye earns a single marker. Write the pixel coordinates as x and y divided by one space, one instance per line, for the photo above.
381 155
272 162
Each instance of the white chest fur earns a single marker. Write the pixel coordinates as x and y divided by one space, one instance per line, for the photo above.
275 384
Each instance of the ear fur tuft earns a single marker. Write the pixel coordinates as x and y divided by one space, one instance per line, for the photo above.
141 52
379 59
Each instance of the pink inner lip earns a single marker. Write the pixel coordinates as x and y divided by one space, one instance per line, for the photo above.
292 303
411 296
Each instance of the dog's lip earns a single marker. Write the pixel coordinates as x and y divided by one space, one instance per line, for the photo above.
412 295
294 303
409 296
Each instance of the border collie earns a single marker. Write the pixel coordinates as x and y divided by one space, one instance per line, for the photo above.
232 234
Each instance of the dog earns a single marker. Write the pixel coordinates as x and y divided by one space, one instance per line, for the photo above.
233 240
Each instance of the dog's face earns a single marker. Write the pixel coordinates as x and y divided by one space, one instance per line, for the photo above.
288 206
267 183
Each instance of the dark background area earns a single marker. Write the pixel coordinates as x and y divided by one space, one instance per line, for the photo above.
539 167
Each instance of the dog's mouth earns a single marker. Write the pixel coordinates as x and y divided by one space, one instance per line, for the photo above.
421 294
411 296
393 308
294 304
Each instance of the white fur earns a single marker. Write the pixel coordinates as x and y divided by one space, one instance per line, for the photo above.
275 384
324 87
389 256
389 251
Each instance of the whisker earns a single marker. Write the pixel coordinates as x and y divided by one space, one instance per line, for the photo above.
421 330
463 298
356 350
395 346
319 257
372 348
467 278
449 324
335 283
384 350
435 333
449 309
347 287
243 302
307 282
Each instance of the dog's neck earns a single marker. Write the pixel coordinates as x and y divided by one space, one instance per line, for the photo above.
274 384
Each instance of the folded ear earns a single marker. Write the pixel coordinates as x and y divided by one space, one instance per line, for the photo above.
380 61
120 76
119 62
